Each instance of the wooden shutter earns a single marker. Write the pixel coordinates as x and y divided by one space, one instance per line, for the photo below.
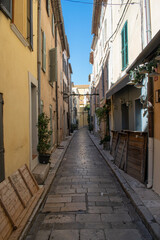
53 65
6 7
53 25
43 52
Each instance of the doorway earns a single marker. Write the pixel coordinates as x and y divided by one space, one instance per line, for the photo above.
125 116
2 172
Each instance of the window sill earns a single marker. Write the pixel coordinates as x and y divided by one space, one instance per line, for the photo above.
19 35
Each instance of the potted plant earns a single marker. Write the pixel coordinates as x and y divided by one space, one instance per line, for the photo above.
106 142
44 138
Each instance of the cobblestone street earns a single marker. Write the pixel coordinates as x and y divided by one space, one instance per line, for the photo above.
85 201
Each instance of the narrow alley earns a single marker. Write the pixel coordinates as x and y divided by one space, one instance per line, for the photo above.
85 201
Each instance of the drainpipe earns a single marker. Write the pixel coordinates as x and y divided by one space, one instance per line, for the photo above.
142 30
56 89
39 57
148 20
150 103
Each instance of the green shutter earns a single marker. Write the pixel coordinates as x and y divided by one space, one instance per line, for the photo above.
44 52
6 7
53 65
53 25
124 39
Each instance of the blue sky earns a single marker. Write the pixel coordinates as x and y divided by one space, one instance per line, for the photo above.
78 21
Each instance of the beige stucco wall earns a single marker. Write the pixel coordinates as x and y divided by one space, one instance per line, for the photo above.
15 62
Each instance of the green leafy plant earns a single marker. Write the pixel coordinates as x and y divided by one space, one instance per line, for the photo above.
44 135
138 74
102 112
105 139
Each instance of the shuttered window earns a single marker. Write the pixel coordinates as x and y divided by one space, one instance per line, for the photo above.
48 7
102 82
53 25
124 39
43 52
30 22
6 7
53 65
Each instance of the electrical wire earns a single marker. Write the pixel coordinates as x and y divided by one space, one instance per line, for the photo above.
100 3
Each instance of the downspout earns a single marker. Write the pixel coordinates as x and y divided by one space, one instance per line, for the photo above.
56 89
148 20
150 103
142 30
39 57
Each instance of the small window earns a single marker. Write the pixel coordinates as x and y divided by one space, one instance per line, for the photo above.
43 52
124 39
48 7
30 22
53 25
6 7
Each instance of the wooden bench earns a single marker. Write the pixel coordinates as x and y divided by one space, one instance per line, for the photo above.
19 195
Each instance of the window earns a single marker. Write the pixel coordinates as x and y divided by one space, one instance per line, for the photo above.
30 23
53 25
21 14
102 82
124 39
43 52
48 7
53 65
6 7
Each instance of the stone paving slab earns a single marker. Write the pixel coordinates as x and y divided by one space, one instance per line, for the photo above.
64 235
92 234
122 234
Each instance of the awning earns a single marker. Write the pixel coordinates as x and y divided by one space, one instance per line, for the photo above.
121 83
147 53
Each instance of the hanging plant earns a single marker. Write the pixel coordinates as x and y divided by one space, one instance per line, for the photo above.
138 74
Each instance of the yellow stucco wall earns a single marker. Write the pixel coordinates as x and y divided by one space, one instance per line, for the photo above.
156 173
48 93
15 62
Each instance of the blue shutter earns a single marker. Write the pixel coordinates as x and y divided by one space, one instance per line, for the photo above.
6 7
44 52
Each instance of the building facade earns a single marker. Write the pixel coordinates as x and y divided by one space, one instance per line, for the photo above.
33 43
121 33
18 84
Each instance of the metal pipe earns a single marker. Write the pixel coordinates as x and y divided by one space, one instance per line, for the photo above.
142 29
56 83
39 56
150 105
148 21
